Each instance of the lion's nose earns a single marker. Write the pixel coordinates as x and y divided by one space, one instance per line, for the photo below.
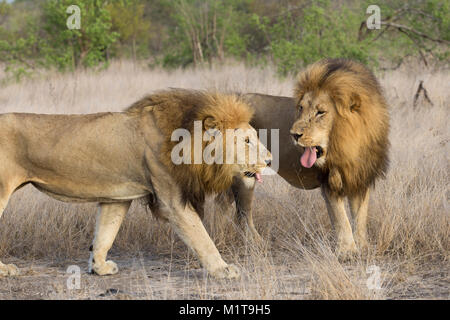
296 136
268 162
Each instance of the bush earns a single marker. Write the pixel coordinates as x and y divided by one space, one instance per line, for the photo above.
45 41
68 49
174 33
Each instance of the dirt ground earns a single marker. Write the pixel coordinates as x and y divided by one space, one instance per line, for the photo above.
160 277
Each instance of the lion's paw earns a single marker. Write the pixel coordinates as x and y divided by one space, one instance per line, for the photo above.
105 269
228 272
347 252
9 270
362 243
255 236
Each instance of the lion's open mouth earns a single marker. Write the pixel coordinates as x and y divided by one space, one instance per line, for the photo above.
310 155
319 151
255 175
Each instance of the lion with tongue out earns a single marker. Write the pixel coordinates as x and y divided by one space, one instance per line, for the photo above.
342 127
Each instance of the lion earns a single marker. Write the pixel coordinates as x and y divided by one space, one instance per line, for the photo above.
342 127
115 158
340 134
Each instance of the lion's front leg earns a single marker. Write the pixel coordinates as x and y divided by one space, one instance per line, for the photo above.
345 244
190 229
109 219
243 190
359 206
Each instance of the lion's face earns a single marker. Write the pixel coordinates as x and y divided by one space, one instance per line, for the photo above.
312 128
249 154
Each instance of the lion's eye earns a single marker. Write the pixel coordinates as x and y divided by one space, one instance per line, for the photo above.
319 113
247 140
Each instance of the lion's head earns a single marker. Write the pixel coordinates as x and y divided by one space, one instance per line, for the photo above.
342 123
218 128
230 141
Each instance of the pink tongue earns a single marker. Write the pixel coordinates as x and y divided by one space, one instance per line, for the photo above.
258 177
309 157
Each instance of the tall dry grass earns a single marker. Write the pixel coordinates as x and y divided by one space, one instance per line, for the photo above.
409 222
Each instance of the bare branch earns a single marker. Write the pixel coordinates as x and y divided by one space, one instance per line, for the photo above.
397 65
419 46
402 27
420 89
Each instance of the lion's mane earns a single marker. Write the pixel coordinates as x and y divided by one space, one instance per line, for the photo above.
177 108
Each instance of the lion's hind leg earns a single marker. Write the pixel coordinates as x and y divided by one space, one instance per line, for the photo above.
5 193
109 219
6 269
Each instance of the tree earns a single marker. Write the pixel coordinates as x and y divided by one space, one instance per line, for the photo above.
303 34
19 39
87 46
205 24
128 21
422 27
289 33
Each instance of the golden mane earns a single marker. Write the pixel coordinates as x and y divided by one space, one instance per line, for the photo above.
358 141
178 108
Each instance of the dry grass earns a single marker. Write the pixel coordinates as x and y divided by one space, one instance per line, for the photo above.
409 221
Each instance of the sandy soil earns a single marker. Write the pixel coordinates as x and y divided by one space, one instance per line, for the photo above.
160 277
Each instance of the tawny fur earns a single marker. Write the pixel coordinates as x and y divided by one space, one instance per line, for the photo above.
358 145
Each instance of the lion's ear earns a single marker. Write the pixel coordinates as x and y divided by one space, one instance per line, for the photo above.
355 103
209 123
211 127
